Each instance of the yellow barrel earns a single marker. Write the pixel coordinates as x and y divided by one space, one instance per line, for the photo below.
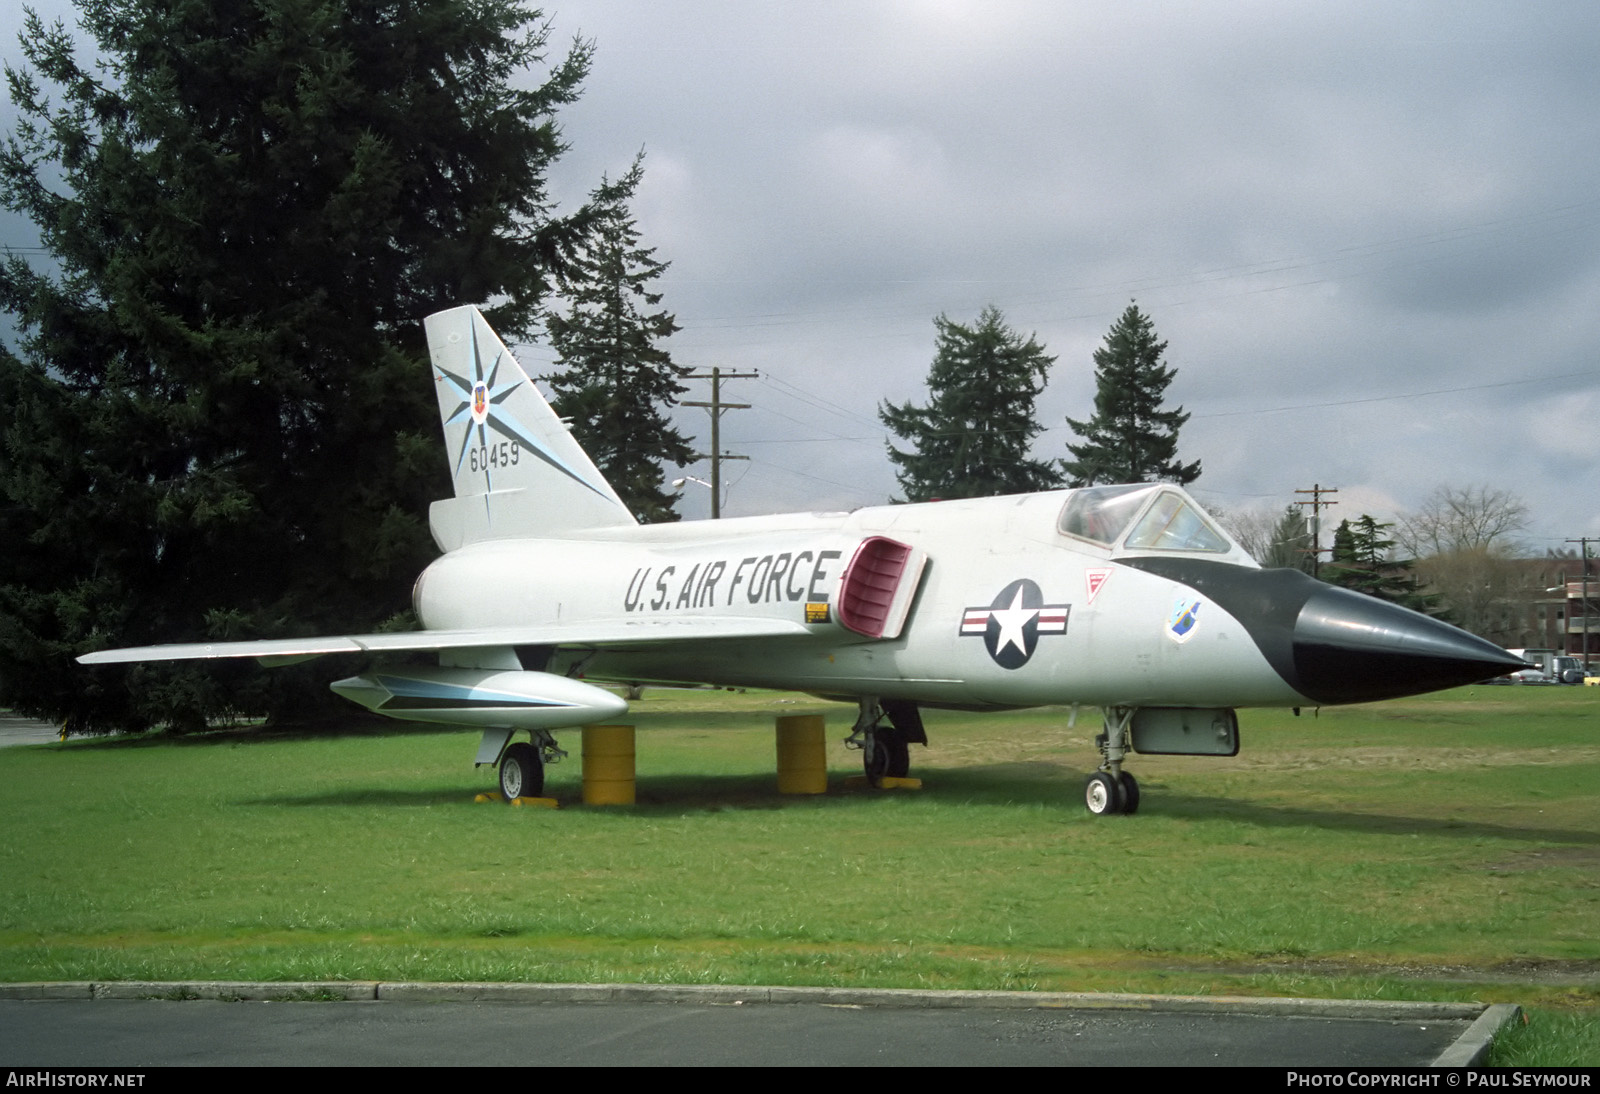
608 765
802 755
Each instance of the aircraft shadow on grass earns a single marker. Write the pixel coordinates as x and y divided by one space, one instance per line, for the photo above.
1028 785
373 728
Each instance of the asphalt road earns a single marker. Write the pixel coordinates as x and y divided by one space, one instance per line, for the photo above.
25 731
443 1025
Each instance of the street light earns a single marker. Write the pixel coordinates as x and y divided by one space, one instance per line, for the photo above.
716 508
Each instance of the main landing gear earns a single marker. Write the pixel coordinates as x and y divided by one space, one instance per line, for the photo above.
888 757
1111 789
522 766
886 749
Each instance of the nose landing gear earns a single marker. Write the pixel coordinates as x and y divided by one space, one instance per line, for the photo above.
1111 789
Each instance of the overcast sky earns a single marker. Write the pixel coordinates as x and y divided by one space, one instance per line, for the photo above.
1368 231
1316 204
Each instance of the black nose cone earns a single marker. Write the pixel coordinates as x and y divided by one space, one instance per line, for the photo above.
1351 648
1336 646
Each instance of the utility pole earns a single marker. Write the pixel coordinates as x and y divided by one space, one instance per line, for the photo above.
1317 505
717 406
1585 541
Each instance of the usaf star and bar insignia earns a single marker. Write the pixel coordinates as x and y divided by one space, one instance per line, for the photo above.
1012 625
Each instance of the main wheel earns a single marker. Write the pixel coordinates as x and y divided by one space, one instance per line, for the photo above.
875 761
521 773
1130 794
896 754
1101 795
889 757
900 762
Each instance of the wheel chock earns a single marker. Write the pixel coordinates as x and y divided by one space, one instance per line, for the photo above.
537 803
888 782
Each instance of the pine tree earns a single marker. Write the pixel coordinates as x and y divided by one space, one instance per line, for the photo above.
219 421
617 381
1342 554
1360 560
973 438
1130 438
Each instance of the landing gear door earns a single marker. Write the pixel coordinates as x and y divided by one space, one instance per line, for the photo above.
1185 731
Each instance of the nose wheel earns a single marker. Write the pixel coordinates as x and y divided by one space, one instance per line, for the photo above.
1105 794
1130 793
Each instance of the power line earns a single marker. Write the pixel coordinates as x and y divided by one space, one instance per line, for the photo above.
786 388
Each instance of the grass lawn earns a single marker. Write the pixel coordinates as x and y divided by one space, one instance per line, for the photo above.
1446 847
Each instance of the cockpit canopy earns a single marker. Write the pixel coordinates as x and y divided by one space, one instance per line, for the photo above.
1142 517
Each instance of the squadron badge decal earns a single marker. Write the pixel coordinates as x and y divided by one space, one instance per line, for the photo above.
1182 620
1012 624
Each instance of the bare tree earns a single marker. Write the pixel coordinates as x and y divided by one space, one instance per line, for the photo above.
1464 539
1250 526
1468 518
1481 591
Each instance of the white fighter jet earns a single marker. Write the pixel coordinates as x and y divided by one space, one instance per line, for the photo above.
1127 598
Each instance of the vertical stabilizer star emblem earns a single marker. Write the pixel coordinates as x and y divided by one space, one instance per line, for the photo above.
1012 623
486 413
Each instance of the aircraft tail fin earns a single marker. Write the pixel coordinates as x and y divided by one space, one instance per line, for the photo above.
517 470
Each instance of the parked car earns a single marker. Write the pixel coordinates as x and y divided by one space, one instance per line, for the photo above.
1565 670
1544 667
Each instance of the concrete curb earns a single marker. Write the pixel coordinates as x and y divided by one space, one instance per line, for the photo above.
1472 1047
1468 1050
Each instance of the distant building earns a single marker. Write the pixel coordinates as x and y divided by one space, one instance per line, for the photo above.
1583 619
1552 613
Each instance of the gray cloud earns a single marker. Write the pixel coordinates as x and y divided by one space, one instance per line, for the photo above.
1317 204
